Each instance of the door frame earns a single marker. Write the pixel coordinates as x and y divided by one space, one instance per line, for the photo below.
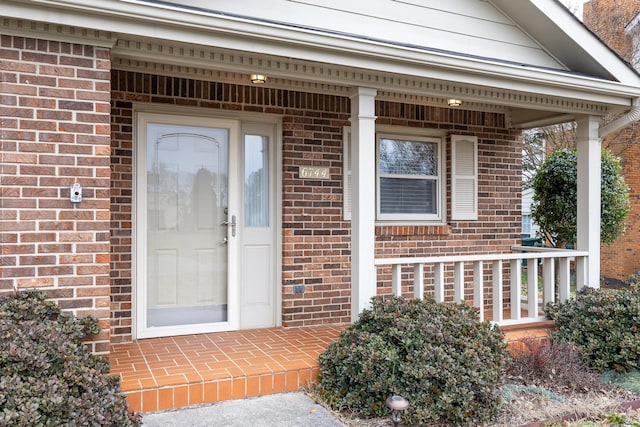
189 115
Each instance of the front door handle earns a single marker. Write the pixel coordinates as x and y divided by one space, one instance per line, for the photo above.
231 224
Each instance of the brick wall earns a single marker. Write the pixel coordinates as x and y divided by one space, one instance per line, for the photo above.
55 132
607 19
622 258
316 241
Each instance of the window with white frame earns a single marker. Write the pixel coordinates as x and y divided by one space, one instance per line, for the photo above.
409 178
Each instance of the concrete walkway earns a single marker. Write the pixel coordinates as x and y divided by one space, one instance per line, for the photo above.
282 410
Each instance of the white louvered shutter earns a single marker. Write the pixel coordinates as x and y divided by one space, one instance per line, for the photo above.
464 177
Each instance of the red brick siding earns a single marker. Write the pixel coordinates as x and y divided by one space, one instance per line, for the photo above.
622 258
316 241
55 132
607 19
121 221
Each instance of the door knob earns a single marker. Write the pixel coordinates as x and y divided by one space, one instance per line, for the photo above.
231 224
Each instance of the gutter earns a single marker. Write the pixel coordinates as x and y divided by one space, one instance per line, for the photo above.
630 117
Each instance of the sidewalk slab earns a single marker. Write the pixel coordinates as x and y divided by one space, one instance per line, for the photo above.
286 409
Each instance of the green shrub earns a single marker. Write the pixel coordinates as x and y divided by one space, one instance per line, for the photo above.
633 279
47 375
604 324
445 362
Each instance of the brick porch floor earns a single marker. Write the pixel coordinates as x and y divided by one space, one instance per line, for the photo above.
173 372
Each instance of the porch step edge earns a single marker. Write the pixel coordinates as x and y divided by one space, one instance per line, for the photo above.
163 398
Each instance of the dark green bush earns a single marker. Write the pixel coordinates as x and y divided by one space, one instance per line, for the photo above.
47 375
633 279
438 356
605 325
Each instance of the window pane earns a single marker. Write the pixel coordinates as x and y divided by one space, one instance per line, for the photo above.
408 157
187 193
408 196
256 181
526 224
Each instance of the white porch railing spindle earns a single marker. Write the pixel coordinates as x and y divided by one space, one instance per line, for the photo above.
418 281
532 287
458 282
456 285
438 281
478 288
516 288
497 291
565 279
548 280
396 280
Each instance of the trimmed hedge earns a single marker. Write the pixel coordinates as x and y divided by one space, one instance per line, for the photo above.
47 375
440 357
604 323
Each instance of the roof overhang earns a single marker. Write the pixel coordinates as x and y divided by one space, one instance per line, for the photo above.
169 40
567 39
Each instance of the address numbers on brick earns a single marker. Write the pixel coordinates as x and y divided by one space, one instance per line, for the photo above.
313 172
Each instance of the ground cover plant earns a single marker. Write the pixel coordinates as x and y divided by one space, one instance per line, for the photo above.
440 357
47 375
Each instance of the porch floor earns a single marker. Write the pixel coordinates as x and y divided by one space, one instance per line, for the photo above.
173 372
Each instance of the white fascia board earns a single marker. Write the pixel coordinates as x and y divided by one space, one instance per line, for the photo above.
263 38
553 12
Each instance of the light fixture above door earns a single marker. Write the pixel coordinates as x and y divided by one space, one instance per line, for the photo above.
258 79
453 102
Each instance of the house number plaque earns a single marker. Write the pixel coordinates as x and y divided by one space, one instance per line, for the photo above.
313 172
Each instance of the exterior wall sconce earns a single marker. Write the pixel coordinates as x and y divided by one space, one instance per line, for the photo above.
454 102
398 405
258 79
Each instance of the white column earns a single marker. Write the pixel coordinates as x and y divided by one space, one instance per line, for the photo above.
589 173
363 211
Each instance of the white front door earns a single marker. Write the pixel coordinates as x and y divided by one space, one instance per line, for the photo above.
205 225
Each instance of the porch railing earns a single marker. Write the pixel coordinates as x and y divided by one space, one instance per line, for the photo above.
469 271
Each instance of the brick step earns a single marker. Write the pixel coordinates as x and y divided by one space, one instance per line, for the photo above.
172 372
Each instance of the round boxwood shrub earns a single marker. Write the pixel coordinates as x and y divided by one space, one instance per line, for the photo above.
440 357
47 375
604 323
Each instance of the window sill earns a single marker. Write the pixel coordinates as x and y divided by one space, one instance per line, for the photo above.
412 230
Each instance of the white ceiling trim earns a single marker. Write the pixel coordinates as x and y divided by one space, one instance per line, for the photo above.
57 32
288 84
167 59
